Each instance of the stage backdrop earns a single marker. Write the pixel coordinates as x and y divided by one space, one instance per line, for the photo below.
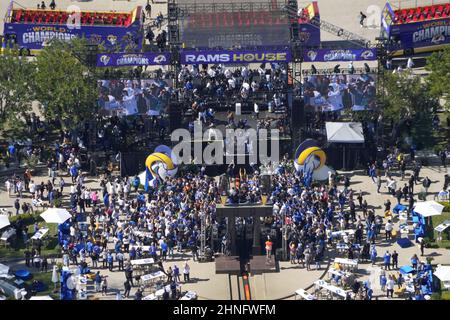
132 163
248 23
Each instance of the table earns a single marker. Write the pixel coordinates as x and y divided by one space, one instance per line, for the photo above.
441 228
320 284
82 287
446 284
152 276
404 230
8 234
143 234
350 263
349 232
406 269
141 262
304 294
143 248
150 297
399 208
40 234
190 295
159 293
4 269
403 216
339 273
19 282
342 247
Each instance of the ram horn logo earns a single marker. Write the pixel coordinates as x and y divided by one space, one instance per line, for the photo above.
112 38
310 159
105 59
438 39
160 59
312 55
367 54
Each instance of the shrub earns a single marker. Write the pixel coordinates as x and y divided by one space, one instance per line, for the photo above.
26 219
446 206
445 296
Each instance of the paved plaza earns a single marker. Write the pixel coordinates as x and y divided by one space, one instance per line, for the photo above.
280 285
283 284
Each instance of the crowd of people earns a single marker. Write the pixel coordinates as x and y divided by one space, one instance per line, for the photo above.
337 92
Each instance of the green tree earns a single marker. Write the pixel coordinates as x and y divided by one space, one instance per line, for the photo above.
408 104
16 79
438 80
64 84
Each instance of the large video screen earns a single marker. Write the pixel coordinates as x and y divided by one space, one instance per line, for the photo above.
251 23
334 92
133 97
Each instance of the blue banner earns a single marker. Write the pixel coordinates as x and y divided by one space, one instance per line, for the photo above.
324 55
422 34
236 57
33 36
132 59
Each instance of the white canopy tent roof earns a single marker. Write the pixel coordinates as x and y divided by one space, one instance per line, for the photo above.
344 132
41 298
4 221
429 208
4 269
56 215
443 273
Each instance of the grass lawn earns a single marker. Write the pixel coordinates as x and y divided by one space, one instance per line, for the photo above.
46 278
17 248
435 221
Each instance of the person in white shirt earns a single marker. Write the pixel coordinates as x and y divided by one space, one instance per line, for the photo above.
126 189
390 287
388 229
186 272
72 233
410 63
19 186
32 187
8 187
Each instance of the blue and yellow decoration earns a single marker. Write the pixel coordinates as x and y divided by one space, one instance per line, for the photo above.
159 165
310 159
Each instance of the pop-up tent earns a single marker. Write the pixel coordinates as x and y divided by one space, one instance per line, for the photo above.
56 215
344 132
443 273
4 221
429 208
348 137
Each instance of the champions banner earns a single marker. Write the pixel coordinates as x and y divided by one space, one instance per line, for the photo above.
132 59
422 34
236 57
324 55
33 36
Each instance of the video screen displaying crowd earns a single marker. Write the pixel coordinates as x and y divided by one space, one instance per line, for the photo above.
132 97
336 92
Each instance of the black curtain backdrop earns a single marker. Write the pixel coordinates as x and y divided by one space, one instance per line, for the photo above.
132 163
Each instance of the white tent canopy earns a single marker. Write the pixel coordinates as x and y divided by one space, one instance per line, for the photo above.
41 298
429 208
4 269
443 273
4 221
56 215
344 132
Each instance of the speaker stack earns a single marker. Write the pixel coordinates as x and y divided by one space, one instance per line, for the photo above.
175 116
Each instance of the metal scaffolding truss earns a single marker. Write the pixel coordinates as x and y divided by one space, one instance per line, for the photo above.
333 29
187 9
